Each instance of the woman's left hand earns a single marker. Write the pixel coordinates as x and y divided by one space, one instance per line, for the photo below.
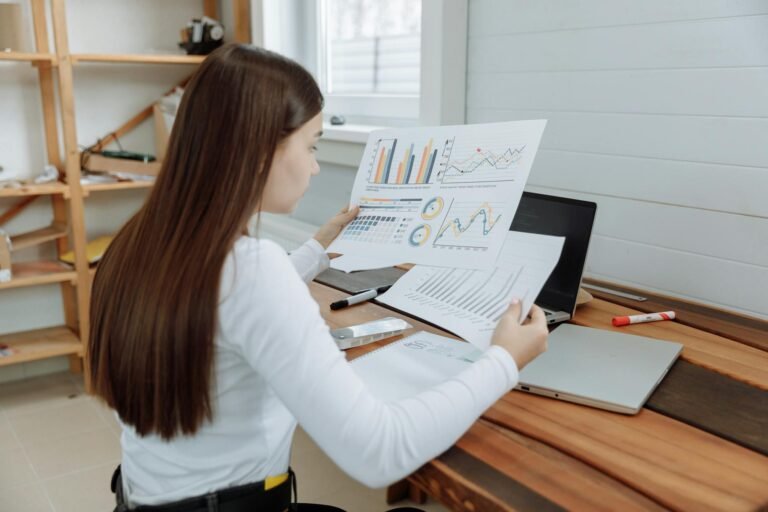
331 229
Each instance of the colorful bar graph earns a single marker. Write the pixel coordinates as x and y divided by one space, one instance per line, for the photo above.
406 171
380 167
402 168
423 163
410 168
430 165
388 165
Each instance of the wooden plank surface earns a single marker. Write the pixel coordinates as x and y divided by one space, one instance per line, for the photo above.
72 167
33 273
715 403
28 57
750 331
34 190
78 58
522 470
118 185
40 344
463 482
678 465
23 240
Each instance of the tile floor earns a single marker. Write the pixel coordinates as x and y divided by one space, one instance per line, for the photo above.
59 446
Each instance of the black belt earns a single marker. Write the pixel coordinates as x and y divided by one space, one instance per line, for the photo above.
243 498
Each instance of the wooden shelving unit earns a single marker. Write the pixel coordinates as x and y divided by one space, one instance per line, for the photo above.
67 196
28 57
35 190
41 344
80 58
36 273
54 231
118 185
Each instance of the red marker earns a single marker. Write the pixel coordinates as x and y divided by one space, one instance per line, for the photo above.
618 321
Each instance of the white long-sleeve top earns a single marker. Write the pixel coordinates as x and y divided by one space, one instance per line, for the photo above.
276 363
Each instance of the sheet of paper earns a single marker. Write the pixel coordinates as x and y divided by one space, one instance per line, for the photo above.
468 302
405 368
440 196
353 262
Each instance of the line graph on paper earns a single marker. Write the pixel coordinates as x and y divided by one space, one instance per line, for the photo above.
490 162
468 225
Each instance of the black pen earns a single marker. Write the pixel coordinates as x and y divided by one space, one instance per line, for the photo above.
359 297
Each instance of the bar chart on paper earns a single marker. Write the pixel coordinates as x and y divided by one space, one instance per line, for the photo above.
468 302
483 295
468 225
399 164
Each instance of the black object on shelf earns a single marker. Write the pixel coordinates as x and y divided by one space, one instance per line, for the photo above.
201 36
201 48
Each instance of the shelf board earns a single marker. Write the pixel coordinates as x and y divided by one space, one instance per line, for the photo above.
35 190
120 58
33 273
118 185
28 57
40 344
38 236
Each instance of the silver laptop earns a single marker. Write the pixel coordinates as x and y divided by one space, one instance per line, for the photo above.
559 216
600 368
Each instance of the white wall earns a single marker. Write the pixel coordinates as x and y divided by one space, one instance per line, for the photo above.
658 111
105 97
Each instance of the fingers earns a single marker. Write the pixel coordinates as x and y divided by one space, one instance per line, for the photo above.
349 208
347 214
537 315
346 218
514 309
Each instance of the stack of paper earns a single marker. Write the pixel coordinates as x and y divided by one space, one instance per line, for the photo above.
469 302
444 199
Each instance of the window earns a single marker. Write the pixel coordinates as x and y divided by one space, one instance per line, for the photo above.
369 59
386 63
371 47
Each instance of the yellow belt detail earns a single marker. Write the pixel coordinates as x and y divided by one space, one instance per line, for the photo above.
274 481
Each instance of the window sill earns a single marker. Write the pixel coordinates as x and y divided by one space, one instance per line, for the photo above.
355 133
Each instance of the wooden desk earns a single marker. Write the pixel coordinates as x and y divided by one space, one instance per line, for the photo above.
701 442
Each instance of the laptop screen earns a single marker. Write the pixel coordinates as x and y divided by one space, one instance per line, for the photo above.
551 215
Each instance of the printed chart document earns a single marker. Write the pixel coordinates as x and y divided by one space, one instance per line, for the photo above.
470 303
404 368
441 196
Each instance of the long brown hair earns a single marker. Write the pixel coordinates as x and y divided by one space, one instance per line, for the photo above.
156 291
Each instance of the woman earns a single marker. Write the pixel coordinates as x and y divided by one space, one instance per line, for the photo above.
207 342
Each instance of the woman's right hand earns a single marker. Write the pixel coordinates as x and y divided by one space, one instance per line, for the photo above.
523 341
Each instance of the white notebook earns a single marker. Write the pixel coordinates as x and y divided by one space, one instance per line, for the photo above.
416 363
